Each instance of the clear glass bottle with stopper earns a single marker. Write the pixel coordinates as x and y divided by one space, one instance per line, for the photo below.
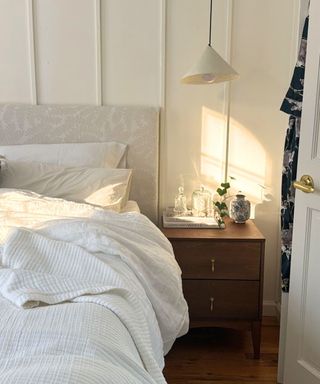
180 202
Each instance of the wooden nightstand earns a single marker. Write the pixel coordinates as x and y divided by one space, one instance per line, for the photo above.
222 272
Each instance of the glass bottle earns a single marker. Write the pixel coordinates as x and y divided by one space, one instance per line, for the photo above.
201 202
180 202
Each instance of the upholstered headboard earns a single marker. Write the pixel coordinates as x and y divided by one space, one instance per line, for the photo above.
134 125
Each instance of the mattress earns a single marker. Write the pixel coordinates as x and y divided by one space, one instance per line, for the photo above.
86 295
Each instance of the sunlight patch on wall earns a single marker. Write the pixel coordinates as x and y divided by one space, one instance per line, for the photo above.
213 146
247 157
247 162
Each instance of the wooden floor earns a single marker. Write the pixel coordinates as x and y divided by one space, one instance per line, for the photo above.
222 356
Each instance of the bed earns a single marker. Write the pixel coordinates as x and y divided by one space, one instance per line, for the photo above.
90 291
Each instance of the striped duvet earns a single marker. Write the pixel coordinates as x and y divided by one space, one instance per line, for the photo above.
86 295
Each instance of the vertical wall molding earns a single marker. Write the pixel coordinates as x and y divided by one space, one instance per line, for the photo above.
227 86
162 102
99 95
228 46
32 52
163 34
295 33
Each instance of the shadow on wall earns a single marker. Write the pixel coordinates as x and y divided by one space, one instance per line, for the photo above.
247 157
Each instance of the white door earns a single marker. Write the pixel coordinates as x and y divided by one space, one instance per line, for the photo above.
302 359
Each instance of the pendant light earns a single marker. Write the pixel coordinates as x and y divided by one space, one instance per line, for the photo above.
211 68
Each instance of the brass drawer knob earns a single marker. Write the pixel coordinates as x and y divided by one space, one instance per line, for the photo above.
212 264
211 304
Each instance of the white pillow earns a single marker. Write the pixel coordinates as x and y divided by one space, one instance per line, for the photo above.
95 155
107 188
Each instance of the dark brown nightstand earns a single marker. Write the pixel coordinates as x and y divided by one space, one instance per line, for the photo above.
222 272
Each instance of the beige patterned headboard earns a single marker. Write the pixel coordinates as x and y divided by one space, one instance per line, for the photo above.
134 125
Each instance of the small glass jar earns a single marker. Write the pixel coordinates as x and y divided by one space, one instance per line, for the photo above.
180 202
240 209
201 202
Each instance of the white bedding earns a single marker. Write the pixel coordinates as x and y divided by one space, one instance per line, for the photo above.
95 155
131 206
104 187
105 290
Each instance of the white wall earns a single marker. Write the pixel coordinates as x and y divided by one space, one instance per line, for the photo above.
262 49
256 99
80 51
114 51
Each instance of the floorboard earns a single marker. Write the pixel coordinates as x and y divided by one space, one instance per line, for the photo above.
223 356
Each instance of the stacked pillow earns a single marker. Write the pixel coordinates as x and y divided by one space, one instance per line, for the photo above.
81 172
97 155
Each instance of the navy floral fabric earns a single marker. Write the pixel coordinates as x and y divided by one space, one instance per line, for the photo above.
292 105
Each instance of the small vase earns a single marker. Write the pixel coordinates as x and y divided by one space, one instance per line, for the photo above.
201 202
240 209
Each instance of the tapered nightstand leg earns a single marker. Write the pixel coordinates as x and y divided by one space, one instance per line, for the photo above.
256 338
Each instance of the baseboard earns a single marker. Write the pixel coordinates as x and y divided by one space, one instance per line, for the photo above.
271 308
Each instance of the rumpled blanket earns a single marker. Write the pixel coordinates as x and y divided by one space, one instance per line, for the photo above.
120 262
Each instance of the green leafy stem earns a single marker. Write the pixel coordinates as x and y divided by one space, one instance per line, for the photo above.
221 206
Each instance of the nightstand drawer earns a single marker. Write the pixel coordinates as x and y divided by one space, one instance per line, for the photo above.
210 299
218 260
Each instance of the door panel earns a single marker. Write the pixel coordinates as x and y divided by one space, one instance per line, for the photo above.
302 359
310 311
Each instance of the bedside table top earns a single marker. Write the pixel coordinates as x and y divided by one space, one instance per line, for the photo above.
232 231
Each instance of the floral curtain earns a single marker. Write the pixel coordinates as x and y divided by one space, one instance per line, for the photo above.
292 105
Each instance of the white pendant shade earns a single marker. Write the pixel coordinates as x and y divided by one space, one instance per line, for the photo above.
211 68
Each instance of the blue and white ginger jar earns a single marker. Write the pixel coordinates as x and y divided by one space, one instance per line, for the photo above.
240 209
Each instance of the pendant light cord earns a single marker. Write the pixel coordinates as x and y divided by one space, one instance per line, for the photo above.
210 22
